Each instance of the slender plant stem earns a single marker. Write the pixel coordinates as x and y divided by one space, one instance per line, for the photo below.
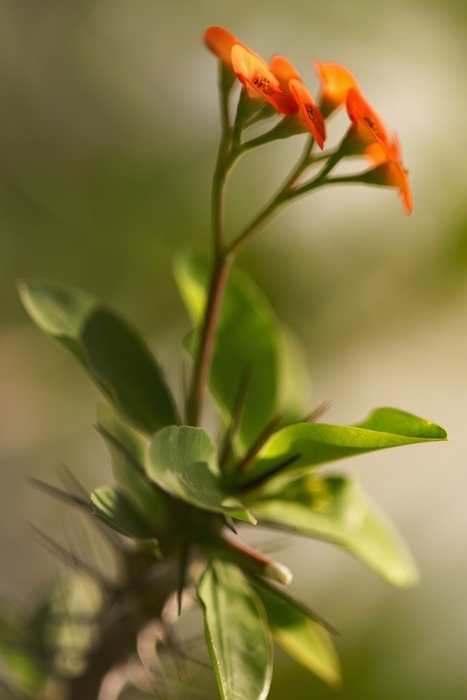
276 203
202 364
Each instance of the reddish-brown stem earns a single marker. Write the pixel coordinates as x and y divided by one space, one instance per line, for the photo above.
205 348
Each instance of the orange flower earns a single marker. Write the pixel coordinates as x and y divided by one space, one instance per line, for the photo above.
369 136
336 81
367 128
291 82
260 81
391 173
220 42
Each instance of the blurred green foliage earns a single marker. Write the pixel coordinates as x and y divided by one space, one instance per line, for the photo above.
108 132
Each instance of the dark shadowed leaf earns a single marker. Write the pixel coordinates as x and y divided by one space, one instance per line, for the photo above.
183 462
337 509
237 633
246 341
128 451
112 351
114 508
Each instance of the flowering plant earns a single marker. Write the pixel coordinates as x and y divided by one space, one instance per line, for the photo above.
183 487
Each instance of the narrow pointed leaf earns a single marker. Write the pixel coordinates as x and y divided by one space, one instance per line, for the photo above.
318 443
183 462
246 338
302 637
237 633
114 508
337 509
110 350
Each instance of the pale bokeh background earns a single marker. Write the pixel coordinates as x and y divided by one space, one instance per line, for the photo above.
108 129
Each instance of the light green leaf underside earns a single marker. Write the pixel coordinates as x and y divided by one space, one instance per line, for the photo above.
337 509
237 633
183 462
302 637
317 443
114 508
111 351
246 340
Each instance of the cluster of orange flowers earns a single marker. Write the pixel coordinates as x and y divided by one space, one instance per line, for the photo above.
280 84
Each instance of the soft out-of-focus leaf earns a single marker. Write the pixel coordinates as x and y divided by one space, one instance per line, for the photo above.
336 509
301 636
183 462
18 653
246 340
74 606
112 352
316 443
237 633
294 381
128 452
114 508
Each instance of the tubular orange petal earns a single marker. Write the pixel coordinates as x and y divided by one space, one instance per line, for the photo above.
391 173
220 42
260 81
336 81
310 112
284 71
367 125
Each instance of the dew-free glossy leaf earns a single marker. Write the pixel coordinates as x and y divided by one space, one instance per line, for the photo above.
128 450
111 351
246 340
318 443
183 462
337 509
300 635
237 634
114 508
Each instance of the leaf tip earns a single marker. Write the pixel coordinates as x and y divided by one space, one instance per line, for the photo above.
278 572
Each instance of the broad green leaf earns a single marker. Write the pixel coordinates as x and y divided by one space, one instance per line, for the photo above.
295 382
246 340
237 634
317 443
113 507
183 462
110 350
128 453
300 635
337 509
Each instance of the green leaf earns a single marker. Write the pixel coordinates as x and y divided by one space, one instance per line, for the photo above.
237 634
317 443
19 653
113 507
110 350
295 382
246 340
337 509
300 635
128 451
183 462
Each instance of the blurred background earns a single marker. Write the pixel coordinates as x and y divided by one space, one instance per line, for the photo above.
108 131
